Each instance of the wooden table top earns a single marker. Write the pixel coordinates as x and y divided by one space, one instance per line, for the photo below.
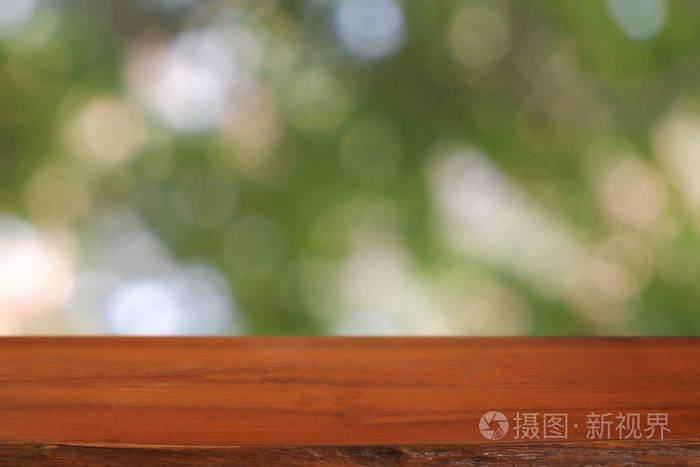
348 401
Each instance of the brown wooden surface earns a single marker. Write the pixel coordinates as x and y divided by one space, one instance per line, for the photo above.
576 453
347 401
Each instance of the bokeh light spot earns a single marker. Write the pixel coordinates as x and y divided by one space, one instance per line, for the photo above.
639 19
15 12
370 28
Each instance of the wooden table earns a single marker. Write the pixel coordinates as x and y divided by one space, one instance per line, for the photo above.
348 401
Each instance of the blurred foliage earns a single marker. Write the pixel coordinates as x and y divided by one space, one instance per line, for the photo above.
549 91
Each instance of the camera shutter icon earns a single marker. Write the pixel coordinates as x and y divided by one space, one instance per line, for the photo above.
493 425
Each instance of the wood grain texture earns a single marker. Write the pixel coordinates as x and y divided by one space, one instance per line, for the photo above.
343 401
577 453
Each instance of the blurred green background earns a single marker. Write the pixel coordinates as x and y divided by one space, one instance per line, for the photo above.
349 167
